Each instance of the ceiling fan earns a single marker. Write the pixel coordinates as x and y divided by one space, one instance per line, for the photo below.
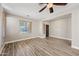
50 6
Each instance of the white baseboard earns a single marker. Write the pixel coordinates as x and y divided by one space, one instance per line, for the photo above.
19 40
2 48
36 37
42 36
60 37
75 47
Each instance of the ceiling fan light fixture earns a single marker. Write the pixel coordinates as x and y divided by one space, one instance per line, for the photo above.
49 5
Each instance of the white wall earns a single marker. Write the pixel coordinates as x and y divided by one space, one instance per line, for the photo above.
2 28
61 28
75 28
1 31
13 31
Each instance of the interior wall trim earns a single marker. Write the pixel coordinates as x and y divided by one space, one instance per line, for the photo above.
23 39
19 40
73 46
60 37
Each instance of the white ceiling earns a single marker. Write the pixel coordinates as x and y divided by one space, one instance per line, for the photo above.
67 16
32 9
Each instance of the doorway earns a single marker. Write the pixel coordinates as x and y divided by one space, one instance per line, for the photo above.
47 30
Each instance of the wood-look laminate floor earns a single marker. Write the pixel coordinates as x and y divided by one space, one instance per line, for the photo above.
40 47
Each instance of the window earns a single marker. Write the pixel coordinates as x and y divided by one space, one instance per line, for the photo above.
25 26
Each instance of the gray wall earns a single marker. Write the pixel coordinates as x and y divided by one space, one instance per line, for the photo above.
13 31
75 29
61 27
2 28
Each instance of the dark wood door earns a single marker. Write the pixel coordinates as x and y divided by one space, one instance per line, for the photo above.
47 30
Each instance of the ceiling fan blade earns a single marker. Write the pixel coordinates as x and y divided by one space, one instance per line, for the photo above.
60 4
43 8
43 3
51 10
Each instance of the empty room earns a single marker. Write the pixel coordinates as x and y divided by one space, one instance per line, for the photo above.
39 29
